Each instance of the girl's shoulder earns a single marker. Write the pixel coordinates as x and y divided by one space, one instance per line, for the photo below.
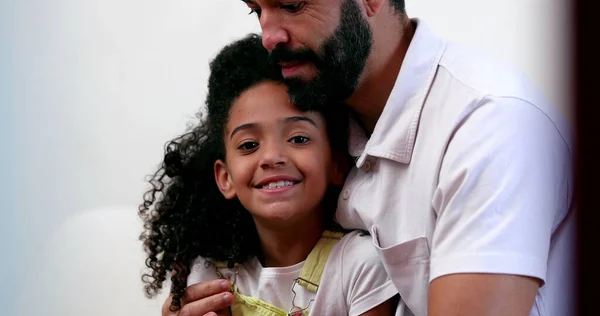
354 280
354 254
202 269
357 245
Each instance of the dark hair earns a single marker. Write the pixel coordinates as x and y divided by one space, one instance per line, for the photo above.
399 6
184 213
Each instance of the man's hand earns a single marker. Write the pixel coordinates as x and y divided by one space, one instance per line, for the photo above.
207 298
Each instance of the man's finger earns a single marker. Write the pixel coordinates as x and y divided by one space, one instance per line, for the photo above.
205 289
165 308
216 314
206 305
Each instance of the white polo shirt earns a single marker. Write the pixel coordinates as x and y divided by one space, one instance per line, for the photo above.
468 170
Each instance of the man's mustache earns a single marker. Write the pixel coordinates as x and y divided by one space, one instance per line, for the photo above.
283 54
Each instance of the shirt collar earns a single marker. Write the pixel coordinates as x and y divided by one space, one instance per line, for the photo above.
395 132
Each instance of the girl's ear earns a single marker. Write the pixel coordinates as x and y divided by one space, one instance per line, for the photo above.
340 168
223 180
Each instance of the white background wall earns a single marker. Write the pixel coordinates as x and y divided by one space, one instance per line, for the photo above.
91 90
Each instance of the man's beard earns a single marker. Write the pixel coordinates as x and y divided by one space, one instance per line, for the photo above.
339 64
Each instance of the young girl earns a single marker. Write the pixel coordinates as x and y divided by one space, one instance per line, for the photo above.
249 196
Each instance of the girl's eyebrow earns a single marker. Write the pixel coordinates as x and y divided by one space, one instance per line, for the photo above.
294 119
242 127
287 120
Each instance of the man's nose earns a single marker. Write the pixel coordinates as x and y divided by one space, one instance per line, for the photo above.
273 30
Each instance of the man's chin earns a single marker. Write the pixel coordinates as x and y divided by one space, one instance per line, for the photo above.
297 80
307 96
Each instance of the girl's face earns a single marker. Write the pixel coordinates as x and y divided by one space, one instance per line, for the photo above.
278 159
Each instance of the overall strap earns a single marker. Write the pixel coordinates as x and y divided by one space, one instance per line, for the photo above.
310 275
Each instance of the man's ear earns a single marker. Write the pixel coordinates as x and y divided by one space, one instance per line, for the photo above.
340 168
223 180
372 7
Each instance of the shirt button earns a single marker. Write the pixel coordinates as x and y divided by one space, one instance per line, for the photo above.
367 166
346 194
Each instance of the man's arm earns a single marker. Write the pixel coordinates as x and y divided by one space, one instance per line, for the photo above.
504 186
482 294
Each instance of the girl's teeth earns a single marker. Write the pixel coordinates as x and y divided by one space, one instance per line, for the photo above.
279 184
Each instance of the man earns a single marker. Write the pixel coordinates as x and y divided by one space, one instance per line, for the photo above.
463 170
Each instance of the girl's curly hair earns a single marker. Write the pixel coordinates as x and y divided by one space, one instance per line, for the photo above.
184 213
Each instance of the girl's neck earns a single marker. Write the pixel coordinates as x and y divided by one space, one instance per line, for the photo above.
289 245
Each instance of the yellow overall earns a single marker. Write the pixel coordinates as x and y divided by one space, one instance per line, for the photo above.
310 277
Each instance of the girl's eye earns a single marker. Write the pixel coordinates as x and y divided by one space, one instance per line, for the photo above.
247 146
293 7
299 140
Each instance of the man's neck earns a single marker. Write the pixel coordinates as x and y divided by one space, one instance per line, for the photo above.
286 246
381 72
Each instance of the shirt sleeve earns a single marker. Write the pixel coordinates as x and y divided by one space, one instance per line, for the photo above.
366 284
200 271
504 185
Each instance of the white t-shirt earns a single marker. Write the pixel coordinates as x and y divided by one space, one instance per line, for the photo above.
468 170
353 282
